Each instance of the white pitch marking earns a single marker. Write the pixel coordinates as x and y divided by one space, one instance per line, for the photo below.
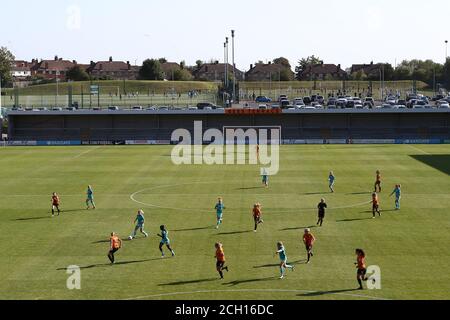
418 149
251 290
132 197
85 152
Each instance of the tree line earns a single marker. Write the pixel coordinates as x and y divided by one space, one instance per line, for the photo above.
432 73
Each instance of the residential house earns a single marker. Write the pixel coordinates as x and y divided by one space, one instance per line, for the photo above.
266 72
169 68
370 70
21 70
216 72
52 69
114 70
323 72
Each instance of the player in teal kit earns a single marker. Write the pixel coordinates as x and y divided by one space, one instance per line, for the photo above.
265 178
140 221
90 198
165 241
219 212
281 251
331 181
398 195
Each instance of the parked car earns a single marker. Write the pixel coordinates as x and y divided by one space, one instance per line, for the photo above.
263 99
282 97
350 104
307 100
443 105
203 105
285 104
437 97
137 108
369 100
331 102
263 107
401 102
357 101
368 105
113 108
320 99
340 104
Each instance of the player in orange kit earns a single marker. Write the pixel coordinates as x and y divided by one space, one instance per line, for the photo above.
55 204
115 243
361 266
257 215
308 240
220 256
375 205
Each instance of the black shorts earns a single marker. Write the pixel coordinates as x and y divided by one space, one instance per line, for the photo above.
321 215
361 272
220 264
308 247
375 207
112 251
257 218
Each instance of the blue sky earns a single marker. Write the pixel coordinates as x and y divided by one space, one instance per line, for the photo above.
345 31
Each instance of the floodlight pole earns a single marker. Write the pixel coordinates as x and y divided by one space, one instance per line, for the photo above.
234 68
446 50
226 63
0 93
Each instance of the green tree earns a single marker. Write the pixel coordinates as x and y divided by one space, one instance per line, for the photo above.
445 74
304 63
282 61
162 60
151 70
359 75
77 73
199 63
182 75
6 59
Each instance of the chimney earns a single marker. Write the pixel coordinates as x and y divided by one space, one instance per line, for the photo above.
128 65
339 67
110 59
251 66
56 58
92 63
74 61
270 62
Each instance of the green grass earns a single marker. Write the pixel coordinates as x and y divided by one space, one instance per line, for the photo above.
410 246
128 86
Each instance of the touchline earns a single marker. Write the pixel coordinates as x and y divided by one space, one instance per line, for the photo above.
228 146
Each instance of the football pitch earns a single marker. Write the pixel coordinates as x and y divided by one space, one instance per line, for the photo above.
409 246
